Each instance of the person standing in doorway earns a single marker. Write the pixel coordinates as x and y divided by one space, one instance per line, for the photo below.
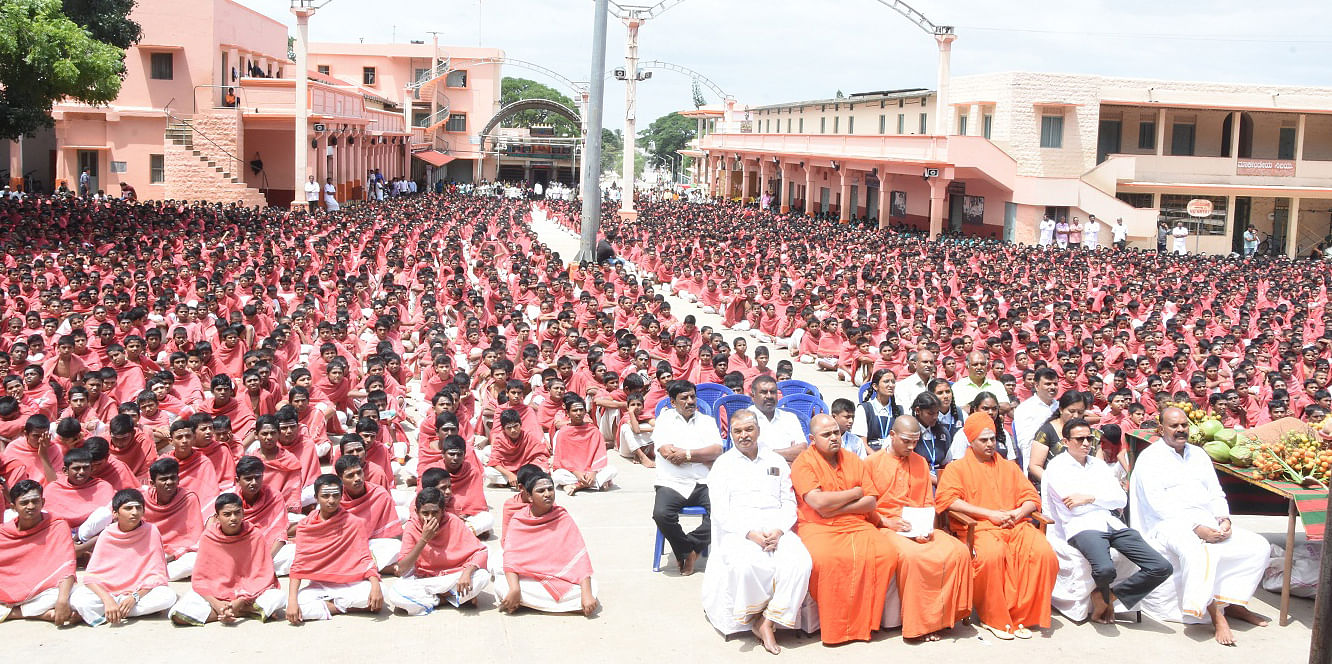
312 194
85 182
1162 233
330 195
1119 234
1250 241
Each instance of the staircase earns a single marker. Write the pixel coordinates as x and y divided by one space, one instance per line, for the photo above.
203 171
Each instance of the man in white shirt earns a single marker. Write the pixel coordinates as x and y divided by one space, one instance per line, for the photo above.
1032 413
312 190
1119 234
1091 234
1079 492
686 442
1047 228
779 430
758 572
907 388
977 380
1180 509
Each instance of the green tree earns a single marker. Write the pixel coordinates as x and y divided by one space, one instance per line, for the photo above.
612 150
699 101
47 55
666 135
517 89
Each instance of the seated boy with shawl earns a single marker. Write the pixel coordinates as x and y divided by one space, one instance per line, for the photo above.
513 445
580 452
440 561
374 506
233 573
79 499
333 554
177 515
546 566
126 576
37 555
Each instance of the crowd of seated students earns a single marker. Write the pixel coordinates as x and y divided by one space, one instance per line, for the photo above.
328 395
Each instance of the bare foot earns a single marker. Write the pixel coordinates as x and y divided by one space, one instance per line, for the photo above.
1243 613
1222 628
571 489
1098 610
767 635
687 566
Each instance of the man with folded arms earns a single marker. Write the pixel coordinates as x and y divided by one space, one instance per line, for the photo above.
333 554
37 555
758 573
1015 568
233 573
177 515
441 560
126 576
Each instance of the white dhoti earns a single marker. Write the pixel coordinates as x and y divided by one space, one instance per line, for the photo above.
34 606
563 478
631 442
313 599
742 581
283 558
182 567
419 596
89 605
1226 572
193 609
385 551
535 596
481 523
494 477
94 524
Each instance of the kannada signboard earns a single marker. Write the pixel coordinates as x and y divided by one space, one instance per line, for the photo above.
1199 207
1277 167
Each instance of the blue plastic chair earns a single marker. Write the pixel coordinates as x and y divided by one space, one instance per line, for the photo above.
723 408
659 546
709 393
804 423
703 407
803 404
865 391
791 387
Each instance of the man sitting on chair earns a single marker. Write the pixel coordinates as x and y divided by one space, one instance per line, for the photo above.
779 429
686 442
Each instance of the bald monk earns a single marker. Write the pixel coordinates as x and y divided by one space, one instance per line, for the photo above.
1015 567
838 521
933 573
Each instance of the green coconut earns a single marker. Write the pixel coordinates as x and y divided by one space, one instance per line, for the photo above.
1227 436
1210 428
1218 451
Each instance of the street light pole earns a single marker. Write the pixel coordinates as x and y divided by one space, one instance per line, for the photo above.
587 247
630 113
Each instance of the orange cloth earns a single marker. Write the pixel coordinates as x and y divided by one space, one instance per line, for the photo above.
933 578
853 561
1015 567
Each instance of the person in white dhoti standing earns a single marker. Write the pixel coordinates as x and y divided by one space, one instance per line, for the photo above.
758 574
1180 236
1047 231
1091 234
331 196
1179 507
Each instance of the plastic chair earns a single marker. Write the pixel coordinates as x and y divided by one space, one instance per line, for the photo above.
864 392
709 393
659 546
804 422
703 407
792 387
723 408
803 404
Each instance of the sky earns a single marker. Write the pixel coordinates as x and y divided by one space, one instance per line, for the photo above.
770 51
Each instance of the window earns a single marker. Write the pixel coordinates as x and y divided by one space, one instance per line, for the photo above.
881 103
823 107
961 125
323 69
924 124
163 66
1052 131
1286 143
419 73
1174 208
901 103
156 169
1181 140
367 75
823 125
802 124
850 124
1147 135
456 79
419 118
788 125
883 123
1139 201
457 122
987 122
901 123
837 123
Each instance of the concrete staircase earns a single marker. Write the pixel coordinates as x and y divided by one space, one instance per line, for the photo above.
198 170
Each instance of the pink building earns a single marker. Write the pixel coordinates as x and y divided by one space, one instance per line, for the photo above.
207 112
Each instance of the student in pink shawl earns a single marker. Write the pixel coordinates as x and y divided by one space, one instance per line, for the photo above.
440 560
333 555
513 445
37 555
197 474
126 576
233 574
176 514
374 505
580 452
546 566
34 456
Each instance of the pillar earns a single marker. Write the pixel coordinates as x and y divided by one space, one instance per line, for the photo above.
1230 216
16 164
938 201
844 202
763 177
1299 143
1235 120
941 101
787 194
884 180
1293 227
744 181
1160 131
809 191
975 121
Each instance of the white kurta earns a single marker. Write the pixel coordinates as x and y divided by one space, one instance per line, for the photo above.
1181 236
742 580
1172 494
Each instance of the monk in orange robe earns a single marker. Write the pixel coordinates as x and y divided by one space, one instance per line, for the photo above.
934 570
1015 567
839 525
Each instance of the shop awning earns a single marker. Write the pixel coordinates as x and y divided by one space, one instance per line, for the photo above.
433 157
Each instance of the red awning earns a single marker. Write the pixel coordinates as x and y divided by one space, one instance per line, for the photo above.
433 157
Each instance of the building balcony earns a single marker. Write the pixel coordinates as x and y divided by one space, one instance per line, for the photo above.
1228 172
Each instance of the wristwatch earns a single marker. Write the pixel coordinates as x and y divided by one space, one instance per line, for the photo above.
135 595
689 455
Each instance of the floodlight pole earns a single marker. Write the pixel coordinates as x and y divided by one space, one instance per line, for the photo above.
591 185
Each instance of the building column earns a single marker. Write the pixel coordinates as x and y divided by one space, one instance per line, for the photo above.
1230 215
884 182
1299 143
16 164
786 197
975 120
938 201
744 180
763 178
809 191
1160 131
1293 227
1235 120
844 202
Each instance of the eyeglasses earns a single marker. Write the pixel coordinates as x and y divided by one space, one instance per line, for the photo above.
1081 439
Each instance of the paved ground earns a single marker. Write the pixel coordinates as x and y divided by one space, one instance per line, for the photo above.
645 617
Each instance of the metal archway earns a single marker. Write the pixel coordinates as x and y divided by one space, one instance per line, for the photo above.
579 89
527 105
679 69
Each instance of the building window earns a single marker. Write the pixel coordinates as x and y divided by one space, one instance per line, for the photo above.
901 123
419 118
1140 201
156 169
322 69
987 122
456 79
1052 131
850 124
823 107
1147 135
882 102
162 66
924 124
419 73
367 75
788 125
883 123
901 103
457 122
1181 140
1174 208
823 125
802 124
961 125
837 123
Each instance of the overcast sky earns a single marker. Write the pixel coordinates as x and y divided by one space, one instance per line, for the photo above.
768 51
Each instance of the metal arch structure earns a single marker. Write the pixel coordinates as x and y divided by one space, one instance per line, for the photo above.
527 105
916 17
642 12
680 69
579 89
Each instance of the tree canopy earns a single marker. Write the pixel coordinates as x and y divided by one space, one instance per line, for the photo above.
51 50
514 89
665 136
